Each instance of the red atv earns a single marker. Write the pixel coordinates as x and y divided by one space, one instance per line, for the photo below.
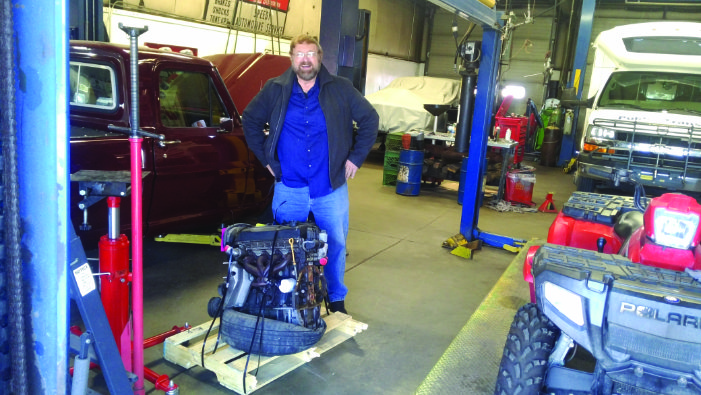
619 278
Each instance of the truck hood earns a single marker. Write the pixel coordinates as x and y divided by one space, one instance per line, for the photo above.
245 74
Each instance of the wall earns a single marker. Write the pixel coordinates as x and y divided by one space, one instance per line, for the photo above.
396 27
525 56
207 39
441 50
390 56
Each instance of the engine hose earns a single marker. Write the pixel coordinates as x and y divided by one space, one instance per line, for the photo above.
638 197
13 268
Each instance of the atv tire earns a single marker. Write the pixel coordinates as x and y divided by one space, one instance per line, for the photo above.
279 338
528 346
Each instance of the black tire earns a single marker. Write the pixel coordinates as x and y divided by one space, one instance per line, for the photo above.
279 338
528 346
213 306
585 184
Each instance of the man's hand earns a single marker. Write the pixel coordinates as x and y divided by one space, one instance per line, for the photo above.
351 168
270 169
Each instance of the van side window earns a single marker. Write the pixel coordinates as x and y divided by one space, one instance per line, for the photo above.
188 99
92 86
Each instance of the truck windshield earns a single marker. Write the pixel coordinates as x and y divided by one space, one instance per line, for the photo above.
653 91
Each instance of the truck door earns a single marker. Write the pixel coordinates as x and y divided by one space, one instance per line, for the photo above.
198 163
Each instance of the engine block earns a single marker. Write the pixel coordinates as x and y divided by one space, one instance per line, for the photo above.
277 272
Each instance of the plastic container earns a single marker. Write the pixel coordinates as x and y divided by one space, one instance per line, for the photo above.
411 163
391 160
393 141
389 177
519 187
406 141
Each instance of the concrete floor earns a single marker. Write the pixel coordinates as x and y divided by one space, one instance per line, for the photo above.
414 295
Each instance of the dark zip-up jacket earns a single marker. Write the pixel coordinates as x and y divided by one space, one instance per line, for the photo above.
341 103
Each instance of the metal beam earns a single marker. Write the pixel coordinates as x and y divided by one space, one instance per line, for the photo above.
472 10
579 68
481 120
42 152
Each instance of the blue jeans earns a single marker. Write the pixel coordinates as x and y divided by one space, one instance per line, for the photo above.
331 215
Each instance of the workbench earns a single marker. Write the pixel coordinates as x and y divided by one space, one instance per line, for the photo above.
508 146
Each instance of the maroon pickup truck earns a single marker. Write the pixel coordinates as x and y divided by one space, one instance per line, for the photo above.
201 174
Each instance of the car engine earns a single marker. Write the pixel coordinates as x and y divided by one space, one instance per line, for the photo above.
275 272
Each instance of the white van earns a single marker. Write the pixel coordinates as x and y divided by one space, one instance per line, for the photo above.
645 115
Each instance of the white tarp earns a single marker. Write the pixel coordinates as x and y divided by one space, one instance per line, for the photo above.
401 104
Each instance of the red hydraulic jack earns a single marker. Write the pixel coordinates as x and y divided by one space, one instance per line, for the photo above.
548 205
114 290
114 251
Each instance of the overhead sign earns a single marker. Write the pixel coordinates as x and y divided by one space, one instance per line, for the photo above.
220 11
258 16
254 18
280 5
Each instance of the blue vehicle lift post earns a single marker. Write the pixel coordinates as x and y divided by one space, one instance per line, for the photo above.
579 68
479 13
481 122
54 266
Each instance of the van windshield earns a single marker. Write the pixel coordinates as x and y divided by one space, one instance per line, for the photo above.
653 91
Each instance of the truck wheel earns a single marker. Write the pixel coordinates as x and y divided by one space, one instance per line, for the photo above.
279 338
528 346
585 184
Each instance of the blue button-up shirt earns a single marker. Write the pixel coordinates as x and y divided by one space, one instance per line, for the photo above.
303 147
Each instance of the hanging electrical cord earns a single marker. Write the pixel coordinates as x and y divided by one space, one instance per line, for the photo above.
220 311
253 338
639 196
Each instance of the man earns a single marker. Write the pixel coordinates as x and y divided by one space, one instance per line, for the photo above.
311 149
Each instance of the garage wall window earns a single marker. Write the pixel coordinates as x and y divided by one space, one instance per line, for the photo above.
92 86
188 99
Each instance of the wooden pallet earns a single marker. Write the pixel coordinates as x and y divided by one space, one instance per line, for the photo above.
228 363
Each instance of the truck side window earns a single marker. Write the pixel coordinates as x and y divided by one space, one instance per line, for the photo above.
92 86
188 99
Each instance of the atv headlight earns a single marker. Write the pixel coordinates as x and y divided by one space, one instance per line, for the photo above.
566 302
674 229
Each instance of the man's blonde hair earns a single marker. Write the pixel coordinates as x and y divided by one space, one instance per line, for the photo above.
305 39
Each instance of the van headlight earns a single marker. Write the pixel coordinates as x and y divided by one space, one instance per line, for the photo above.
566 302
599 133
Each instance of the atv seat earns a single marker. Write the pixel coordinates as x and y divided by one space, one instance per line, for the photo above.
627 223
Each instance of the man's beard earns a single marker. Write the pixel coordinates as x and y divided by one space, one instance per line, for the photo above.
306 74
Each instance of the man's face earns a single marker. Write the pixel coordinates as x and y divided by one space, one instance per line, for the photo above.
305 66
